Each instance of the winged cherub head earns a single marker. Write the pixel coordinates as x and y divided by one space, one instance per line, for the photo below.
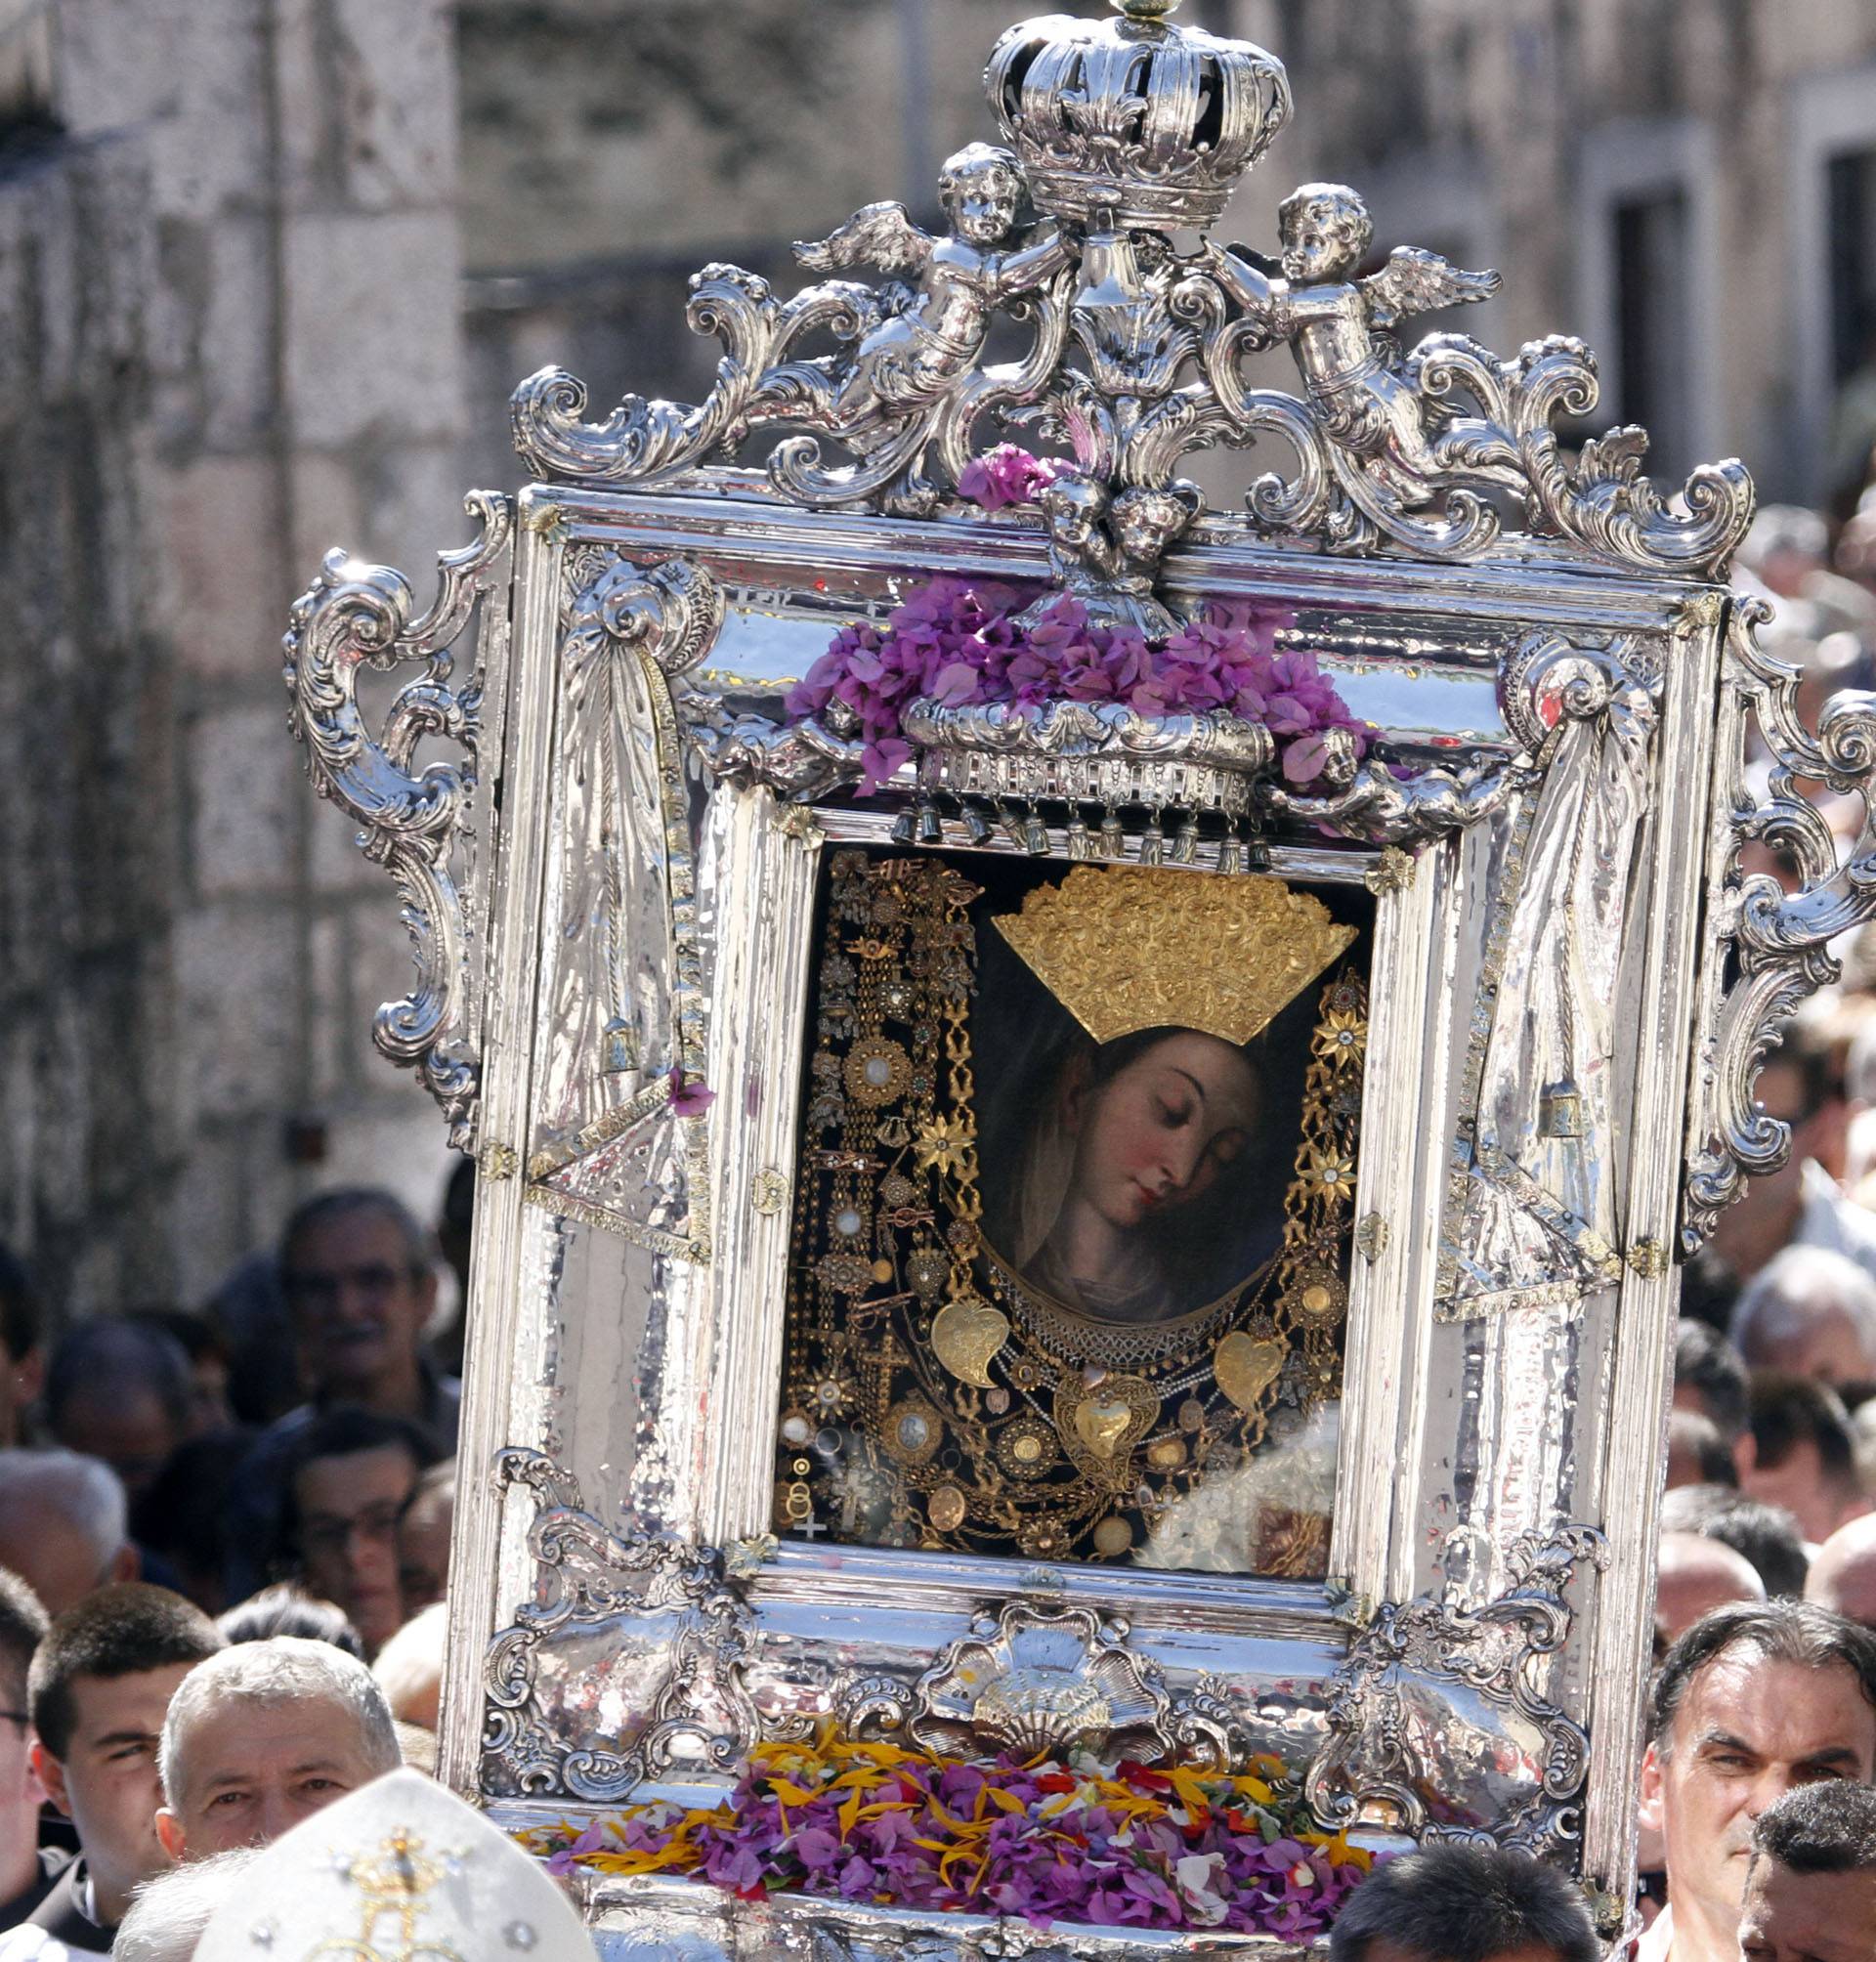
1325 232
981 187
1148 521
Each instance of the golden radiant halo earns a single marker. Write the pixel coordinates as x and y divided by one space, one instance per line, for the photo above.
1126 948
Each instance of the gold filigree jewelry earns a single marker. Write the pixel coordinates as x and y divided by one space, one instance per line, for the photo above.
1099 1425
1125 949
1246 1365
878 1072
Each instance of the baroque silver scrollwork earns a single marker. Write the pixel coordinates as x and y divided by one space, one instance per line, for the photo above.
1782 941
1393 1739
701 1717
358 617
1035 1677
1120 133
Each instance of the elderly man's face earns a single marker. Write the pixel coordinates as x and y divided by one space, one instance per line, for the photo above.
1807 1917
250 1772
1830 1349
1798 1482
133 1434
1747 1730
59 1564
358 1304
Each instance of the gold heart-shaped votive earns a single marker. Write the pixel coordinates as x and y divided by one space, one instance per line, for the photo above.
1101 1422
1245 1367
966 1335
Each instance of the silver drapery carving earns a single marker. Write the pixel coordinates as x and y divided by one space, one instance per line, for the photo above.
357 615
1119 133
629 632
1781 942
1390 1746
1531 1214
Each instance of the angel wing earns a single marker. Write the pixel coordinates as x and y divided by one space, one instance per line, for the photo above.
1414 281
882 236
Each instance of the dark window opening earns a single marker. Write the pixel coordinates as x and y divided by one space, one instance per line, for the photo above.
1652 324
1851 207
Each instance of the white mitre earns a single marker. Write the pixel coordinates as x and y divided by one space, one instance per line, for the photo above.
399 1871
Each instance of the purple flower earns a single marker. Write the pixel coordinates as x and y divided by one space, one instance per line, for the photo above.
1304 760
957 644
561 1861
1006 475
691 1099
858 1877
816 1848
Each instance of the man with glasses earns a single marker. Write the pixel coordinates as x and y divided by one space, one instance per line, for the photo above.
361 1285
97 1692
348 1480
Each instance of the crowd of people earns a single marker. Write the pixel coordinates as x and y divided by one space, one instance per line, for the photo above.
225 1535
224 1553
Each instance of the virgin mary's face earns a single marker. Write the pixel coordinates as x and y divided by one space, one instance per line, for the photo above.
1157 1133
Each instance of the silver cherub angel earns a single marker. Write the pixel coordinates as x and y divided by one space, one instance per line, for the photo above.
1338 327
916 354
1104 550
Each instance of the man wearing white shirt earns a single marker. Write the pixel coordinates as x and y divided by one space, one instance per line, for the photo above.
1754 1700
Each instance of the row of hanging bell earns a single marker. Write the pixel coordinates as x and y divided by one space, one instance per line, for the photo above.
1170 834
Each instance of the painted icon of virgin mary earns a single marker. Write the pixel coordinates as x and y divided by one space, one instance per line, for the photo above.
1132 1168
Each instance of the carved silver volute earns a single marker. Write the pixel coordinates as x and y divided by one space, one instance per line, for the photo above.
1782 941
1119 135
411 820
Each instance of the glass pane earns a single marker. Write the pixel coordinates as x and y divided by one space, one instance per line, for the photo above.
1075 1191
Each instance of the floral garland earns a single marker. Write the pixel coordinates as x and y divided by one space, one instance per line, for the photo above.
957 643
1079 1841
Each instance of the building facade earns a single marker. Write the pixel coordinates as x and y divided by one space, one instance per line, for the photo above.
269 268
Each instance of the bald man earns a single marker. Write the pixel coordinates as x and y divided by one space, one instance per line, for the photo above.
1695 1574
1843 1576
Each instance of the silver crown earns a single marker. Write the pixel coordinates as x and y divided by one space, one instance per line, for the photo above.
1136 120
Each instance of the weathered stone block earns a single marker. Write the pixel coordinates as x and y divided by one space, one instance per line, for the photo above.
248 802
241 392
240 969
373 344
368 104
220 568
187 71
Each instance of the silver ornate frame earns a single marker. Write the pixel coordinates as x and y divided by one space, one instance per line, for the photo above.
1572 991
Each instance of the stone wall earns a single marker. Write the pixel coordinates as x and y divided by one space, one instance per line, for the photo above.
90 1142
282 373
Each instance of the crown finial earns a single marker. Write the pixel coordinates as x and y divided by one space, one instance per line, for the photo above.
1135 122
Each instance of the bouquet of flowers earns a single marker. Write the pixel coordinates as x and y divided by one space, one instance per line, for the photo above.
1076 1841
958 643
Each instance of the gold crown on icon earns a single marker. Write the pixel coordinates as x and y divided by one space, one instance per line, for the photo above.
1126 948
